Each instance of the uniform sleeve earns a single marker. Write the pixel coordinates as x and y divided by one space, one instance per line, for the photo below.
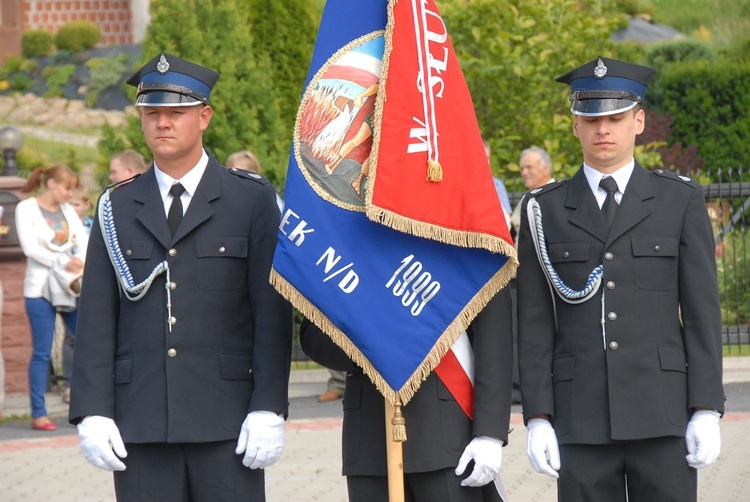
272 314
98 311
321 349
700 308
493 367
536 328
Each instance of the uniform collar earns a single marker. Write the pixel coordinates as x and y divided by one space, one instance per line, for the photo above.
621 177
190 181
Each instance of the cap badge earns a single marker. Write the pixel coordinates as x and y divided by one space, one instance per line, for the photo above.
600 69
163 65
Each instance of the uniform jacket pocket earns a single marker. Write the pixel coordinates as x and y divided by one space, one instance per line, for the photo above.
655 262
221 262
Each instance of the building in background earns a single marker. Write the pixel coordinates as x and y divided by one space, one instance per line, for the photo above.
121 21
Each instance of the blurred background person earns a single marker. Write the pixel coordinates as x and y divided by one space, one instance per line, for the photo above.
82 204
536 171
245 159
125 165
50 232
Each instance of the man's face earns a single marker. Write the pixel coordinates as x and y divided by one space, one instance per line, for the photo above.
534 172
119 172
173 133
607 142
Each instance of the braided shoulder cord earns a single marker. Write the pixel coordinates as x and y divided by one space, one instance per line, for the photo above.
534 214
133 292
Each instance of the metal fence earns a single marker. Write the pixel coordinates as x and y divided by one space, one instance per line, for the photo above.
727 193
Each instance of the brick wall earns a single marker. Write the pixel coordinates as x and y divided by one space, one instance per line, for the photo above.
114 17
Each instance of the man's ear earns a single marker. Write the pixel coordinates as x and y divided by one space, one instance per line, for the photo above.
640 121
206 114
575 126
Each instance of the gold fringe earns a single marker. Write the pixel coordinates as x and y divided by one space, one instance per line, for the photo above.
434 171
398 422
441 347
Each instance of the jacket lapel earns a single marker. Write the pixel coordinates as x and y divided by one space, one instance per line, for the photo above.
586 213
151 214
200 208
632 209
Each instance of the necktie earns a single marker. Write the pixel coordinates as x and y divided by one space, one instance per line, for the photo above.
174 217
609 208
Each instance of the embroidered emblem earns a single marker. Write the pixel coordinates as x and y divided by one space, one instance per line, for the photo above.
163 65
601 70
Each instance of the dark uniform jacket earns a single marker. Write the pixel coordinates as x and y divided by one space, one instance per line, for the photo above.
662 353
436 427
228 352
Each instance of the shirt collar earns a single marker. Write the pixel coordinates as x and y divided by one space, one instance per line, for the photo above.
190 181
621 176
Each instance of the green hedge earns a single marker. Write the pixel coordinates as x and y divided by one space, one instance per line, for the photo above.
36 43
76 36
709 103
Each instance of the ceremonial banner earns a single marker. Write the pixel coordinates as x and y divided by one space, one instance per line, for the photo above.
394 290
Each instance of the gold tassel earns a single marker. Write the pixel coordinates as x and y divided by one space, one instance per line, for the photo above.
434 171
398 422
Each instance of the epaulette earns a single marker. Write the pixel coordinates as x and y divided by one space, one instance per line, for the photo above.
248 175
535 192
112 186
674 176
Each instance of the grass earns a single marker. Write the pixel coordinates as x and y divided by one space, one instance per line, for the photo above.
737 350
724 20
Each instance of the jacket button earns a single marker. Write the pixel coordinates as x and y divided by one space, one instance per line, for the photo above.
172 286
173 252
222 249
172 320
612 316
250 371
609 256
614 346
172 352
657 248
611 285
566 254
129 252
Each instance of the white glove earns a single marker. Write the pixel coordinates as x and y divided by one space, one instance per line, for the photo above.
703 438
542 443
261 438
487 453
99 437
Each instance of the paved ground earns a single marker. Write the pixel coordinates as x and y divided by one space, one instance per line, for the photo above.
47 467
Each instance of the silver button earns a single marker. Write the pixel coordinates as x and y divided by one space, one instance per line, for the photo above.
222 249
129 252
612 316
657 248
611 285
250 371
614 345
173 252
566 254
172 286
609 256
172 320
172 352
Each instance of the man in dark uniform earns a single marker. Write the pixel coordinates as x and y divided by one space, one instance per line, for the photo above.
619 320
442 440
185 373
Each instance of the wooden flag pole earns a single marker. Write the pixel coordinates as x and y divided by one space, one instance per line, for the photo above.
394 452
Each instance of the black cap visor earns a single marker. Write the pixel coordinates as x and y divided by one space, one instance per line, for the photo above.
162 94
601 107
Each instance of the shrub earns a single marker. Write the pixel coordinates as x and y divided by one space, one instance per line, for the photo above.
36 43
676 51
76 36
105 73
12 63
709 104
20 82
57 76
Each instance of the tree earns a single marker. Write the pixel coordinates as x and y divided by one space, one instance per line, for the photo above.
216 34
510 52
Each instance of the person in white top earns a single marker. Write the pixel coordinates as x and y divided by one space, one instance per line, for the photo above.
49 231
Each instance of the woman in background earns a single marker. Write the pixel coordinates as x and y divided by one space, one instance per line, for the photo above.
49 231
